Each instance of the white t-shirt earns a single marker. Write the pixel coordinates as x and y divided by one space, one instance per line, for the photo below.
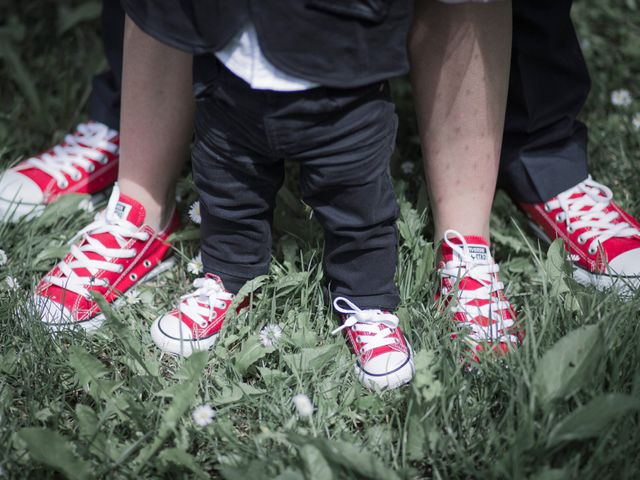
243 56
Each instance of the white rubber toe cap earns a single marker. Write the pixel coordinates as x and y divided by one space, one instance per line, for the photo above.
16 187
173 336
627 263
19 196
390 370
55 315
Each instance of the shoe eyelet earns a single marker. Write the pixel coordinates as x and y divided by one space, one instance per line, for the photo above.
120 268
559 218
581 240
146 263
547 207
570 228
91 168
133 277
63 184
592 251
76 176
104 160
359 339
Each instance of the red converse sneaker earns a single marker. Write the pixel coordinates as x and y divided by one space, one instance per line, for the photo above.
602 240
470 284
384 357
85 162
112 255
195 323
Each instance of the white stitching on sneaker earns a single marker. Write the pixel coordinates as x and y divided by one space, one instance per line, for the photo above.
201 302
464 265
79 149
367 321
587 211
105 222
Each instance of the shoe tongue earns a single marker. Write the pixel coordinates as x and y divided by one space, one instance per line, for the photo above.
126 208
477 250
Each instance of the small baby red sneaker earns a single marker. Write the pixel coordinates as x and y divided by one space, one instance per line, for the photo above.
384 358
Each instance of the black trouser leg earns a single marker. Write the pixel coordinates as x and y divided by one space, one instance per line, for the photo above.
104 105
544 150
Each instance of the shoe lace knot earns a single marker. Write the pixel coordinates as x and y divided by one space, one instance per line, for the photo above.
81 149
587 206
373 328
200 304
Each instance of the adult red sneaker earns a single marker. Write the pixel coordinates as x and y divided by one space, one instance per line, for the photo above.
602 240
196 322
86 162
111 256
470 285
384 358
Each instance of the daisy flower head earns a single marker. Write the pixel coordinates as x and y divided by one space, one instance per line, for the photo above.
407 167
203 415
621 98
195 266
635 121
132 297
86 205
303 405
12 283
270 335
194 212
3 258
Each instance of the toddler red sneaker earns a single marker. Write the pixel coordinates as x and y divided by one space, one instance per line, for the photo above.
469 283
383 356
196 322
602 240
85 162
111 256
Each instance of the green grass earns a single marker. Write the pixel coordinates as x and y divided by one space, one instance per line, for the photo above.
110 405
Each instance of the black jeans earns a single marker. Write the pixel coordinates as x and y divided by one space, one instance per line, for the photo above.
104 104
343 140
545 146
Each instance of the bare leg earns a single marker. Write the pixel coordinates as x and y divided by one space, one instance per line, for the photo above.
156 122
460 69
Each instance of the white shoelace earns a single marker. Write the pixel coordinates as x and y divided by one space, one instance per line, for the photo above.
595 198
80 150
367 322
462 266
200 303
105 222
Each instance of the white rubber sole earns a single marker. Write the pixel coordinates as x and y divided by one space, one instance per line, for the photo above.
624 285
183 347
94 323
390 380
12 211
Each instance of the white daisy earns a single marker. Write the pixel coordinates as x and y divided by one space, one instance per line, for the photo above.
12 283
635 121
203 415
195 265
621 98
86 205
3 258
303 405
194 212
132 297
270 335
407 167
